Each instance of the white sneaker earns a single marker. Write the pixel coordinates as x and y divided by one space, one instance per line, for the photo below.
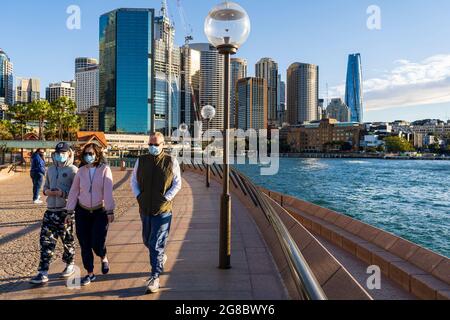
38 202
152 286
68 271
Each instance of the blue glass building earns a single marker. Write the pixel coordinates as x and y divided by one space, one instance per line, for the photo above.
354 88
126 71
6 79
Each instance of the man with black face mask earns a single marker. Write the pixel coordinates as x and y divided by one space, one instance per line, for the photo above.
155 183
37 174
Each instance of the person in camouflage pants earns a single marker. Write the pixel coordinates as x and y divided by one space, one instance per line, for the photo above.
53 227
57 223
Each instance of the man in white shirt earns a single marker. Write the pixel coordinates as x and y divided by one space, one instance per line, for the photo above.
155 182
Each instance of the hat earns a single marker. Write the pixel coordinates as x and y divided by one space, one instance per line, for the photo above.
62 147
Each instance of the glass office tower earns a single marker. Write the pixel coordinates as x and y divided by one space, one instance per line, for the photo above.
354 88
6 79
126 71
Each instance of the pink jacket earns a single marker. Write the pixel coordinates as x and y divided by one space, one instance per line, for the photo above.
102 190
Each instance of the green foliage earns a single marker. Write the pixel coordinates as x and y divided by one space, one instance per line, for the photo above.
398 144
57 121
5 130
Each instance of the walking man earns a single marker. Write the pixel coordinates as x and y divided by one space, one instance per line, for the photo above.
37 174
155 182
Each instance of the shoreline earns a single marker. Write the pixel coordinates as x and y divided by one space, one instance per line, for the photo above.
357 156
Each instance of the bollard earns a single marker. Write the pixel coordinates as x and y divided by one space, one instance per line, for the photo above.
123 166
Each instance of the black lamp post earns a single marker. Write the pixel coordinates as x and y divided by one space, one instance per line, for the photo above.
227 27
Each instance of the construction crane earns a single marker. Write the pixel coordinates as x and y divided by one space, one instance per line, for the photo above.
187 27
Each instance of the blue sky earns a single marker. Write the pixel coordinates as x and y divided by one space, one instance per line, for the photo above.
406 64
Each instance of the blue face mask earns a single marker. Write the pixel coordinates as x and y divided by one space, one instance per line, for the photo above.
89 159
154 151
60 158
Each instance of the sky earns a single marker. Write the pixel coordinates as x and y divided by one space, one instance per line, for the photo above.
406 61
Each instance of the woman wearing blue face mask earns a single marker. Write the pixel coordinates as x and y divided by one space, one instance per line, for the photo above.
91 198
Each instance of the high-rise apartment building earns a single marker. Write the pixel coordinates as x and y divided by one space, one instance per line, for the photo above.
211 81
126 100
267 68
354 88
167 64
61 89
238 71
302 93
338 110
87 83
6 79
282 115
27 90
82 63
252 104
190 86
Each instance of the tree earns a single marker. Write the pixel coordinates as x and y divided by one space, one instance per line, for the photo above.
398 144
5 130
62 118
39 111
20 115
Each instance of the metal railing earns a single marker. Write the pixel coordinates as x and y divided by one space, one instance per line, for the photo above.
306 283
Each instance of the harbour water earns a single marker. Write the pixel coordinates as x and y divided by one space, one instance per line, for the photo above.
408 198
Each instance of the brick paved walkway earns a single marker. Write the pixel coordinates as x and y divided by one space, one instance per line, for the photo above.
191 271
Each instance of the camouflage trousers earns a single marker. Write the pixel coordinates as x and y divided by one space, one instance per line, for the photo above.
53 227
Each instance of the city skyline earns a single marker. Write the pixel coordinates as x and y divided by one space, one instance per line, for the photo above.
411 62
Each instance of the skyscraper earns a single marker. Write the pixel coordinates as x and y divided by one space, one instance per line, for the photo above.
281 101
84 62
211 81
6 79
338 110
238 71
126 70
55 91
267 69
190 86
27 90
354 88
302 93
252 103
87 83
167 75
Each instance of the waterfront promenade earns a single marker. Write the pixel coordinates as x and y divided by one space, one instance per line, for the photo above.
191 270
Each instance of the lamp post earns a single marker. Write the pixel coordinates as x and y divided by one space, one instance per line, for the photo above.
227 27
183 129
208 113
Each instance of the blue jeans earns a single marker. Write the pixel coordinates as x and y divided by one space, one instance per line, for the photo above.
155 232
38 181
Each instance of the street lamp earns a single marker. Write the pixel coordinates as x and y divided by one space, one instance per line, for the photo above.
208 113
227 27
183 129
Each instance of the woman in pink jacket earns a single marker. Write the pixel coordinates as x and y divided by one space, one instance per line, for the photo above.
91 198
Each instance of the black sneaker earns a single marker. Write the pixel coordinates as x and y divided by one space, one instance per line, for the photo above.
39 279
87 280
105 267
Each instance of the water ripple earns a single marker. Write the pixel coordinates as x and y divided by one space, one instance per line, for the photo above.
408 198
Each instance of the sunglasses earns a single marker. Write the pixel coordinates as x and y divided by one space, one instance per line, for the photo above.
89 154
154 144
